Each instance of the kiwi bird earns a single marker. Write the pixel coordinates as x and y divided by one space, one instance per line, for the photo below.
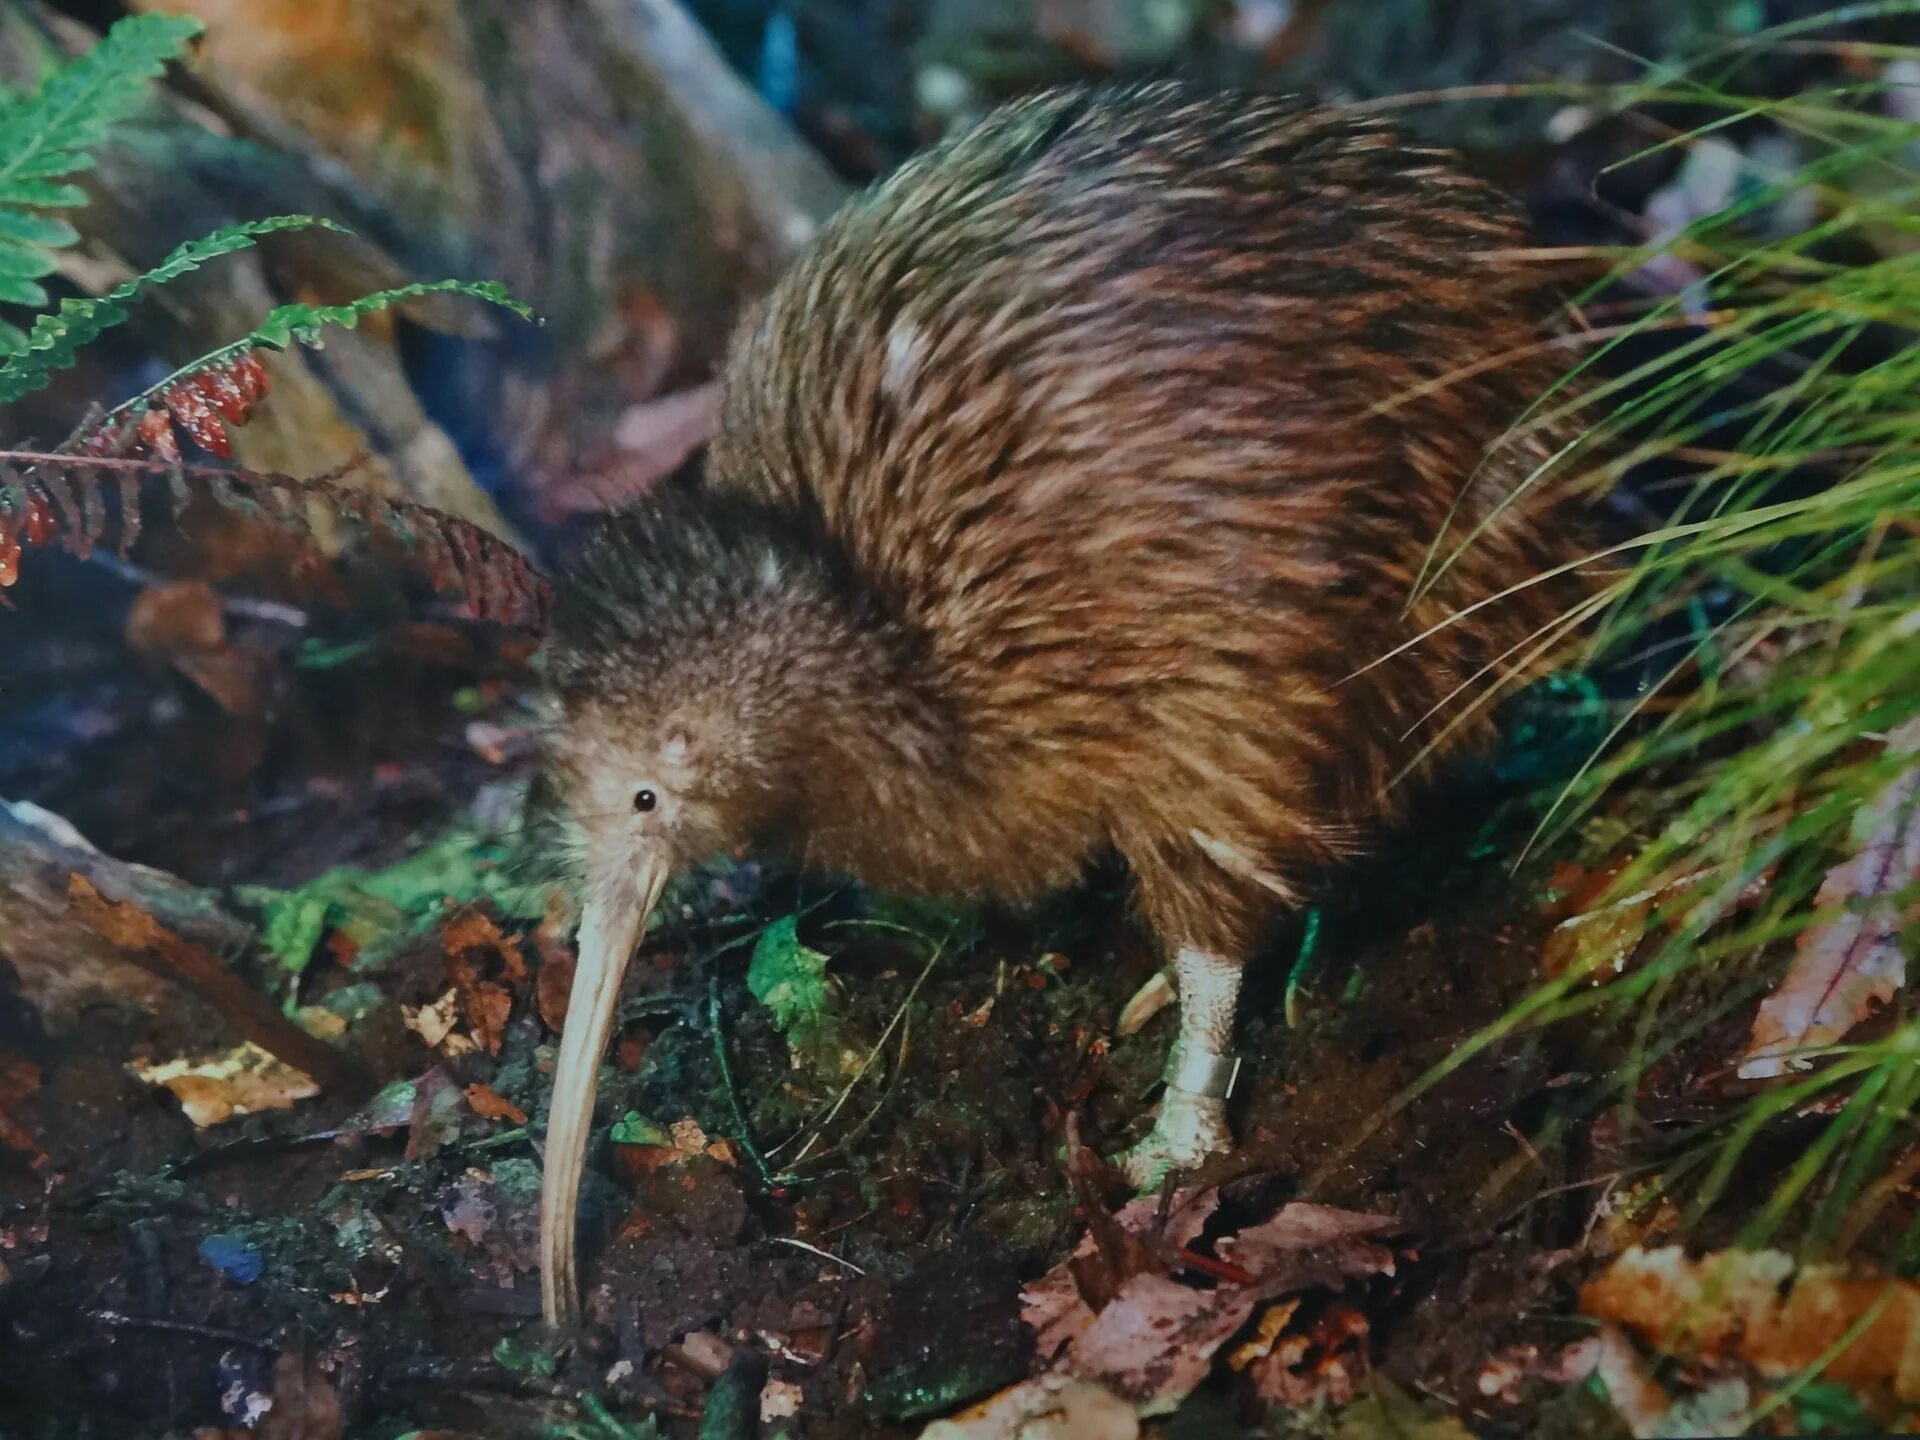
1064 493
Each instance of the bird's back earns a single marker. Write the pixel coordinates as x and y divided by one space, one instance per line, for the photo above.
1130 403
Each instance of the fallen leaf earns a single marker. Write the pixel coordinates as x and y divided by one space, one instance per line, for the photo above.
305 1405
1501 1376
1154 1344
152 945
651 440
19 1078
788 977
244 1081
1757 1308
780 1400
1273 1321
551 990
435 1116
1319 1367
1848 964
1053 1306
230 677
1599 939
469 938
489 1007
169 619
1317 1241
668 428
688 1137
1382 1411
1154 1340
495 1215
1048 1407
501 744
472 1213
1637 1397
490 1104
432 1023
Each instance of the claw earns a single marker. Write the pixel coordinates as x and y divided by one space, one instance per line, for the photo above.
1189 1130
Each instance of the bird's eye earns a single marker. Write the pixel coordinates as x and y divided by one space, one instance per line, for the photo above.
645 800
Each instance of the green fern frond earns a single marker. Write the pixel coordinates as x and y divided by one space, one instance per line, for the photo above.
290 325
57 337
302 324
44 138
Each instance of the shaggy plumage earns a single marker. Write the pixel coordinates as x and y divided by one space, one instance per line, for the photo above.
1048 510
1059 492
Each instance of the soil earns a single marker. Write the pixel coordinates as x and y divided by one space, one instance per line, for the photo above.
871 1250
855 1203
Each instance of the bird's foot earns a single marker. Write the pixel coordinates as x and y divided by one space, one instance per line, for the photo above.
1190 1129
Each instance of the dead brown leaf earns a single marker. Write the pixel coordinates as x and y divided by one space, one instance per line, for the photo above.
1313 1245
1154 1339
305 1404
1055 1308
489 1104
499 1234
216 1088
489 1007
1849 964
552 988
1048 1407
1598 939
1758 1308
652 440
168 620
432 1023
470 938
1323 1366
184 624
19 1078
1154 1344
435 1117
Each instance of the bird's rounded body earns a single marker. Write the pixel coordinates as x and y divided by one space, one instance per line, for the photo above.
1107 413
1065 495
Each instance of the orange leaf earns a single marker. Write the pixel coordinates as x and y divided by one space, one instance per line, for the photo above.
490 1104
489 1006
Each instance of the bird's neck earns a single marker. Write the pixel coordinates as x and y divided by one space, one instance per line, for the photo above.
880 752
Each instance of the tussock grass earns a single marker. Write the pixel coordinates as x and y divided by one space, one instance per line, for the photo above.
1771 601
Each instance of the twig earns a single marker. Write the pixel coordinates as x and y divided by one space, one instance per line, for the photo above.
119 1321
816 1250
273 612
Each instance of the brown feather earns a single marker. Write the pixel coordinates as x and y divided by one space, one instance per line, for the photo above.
1058 493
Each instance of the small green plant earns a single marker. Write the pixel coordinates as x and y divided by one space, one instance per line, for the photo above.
787 977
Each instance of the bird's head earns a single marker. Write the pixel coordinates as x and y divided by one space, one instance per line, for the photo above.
697 644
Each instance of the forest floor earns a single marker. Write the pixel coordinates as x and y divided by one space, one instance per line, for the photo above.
850 1141
848 1177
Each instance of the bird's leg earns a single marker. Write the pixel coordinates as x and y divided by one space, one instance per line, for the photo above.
1201 1067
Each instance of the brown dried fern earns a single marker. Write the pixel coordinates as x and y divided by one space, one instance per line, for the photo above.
58 497
51 498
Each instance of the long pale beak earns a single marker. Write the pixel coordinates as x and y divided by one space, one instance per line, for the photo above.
614 920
